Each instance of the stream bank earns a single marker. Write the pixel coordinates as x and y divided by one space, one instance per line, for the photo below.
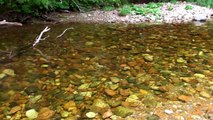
180 12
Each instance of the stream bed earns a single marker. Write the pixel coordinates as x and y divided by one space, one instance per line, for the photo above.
107 71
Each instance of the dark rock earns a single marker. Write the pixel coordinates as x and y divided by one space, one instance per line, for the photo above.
31 89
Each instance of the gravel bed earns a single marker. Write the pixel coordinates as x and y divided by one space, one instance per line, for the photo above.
178 14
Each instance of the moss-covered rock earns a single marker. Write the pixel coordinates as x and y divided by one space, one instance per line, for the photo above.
123 111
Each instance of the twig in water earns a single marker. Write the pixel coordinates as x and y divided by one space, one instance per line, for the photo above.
43 55
4 22
64 32
38 38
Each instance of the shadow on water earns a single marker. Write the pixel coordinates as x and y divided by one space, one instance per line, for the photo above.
112 64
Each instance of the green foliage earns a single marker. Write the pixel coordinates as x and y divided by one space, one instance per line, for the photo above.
188 7
38 6
206 3
125 10
2 2
173 1
108 8
151 8
152 5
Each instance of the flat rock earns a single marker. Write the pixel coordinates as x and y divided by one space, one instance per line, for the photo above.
45 113
148 57
205 94
123 111
2 75
107 114
99 106
9 72
185 98
69 105
110 92
91 114
114 79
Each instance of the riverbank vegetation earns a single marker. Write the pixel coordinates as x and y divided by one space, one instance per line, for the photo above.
36 7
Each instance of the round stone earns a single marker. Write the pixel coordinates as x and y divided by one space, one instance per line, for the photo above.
91 114
32 114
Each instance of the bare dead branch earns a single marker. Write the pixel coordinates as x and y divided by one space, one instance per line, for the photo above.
4 22
38 38
64 32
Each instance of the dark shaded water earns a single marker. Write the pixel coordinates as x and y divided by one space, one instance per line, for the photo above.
113 63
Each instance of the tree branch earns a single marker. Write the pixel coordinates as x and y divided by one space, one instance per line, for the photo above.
38 38
4 22
64 32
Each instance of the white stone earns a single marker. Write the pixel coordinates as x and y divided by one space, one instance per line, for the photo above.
200 17
168 111
91 114
32 114
9 72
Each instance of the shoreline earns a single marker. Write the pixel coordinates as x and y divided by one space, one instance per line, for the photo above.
178 14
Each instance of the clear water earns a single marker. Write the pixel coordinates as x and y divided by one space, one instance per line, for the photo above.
158 63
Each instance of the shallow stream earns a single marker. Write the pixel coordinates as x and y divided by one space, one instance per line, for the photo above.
100 71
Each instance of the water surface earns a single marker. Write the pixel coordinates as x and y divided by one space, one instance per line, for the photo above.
134 66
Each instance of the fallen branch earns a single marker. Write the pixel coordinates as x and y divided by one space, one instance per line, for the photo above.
18 51
64 32
38 38
42 54
4 22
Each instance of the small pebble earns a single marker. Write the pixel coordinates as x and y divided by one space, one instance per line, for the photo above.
91 114
168 111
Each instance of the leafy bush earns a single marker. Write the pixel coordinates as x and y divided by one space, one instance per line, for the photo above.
2 2
206 3
151 8
38 6
125 10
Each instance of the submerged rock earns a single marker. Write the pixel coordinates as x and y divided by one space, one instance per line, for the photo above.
91 114
45 113
205 94
99 106
107 114
84 86
181 60
198 75
9 72
31 89
123 111
114 79
2 75
31 114
69 105
148 57
110 92
64 114
168 111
